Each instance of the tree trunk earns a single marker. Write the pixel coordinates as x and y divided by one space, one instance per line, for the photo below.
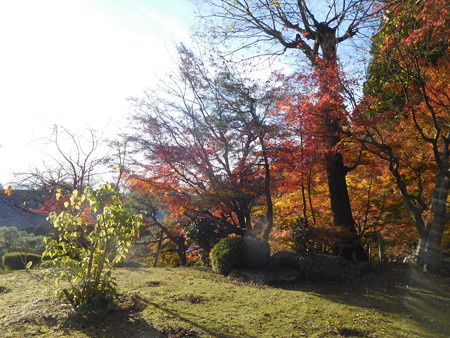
430 245
339 198
181 250
158 249
179 241
267 177
429 252
267 193
349 244
381 251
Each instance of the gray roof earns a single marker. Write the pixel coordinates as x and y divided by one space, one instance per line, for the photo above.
15 210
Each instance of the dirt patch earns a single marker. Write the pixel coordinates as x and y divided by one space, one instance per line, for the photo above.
132 304
193 299
347 332
178 332
4 289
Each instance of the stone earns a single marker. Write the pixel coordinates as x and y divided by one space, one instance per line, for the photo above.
284 260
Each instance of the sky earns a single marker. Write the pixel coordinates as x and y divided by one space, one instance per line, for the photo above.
74 63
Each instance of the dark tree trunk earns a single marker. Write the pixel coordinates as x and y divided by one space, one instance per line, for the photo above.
339 198
181 250
158 249
349 244
179 241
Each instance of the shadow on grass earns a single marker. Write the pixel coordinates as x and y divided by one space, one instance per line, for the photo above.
417 297
117 328
204 329
125 321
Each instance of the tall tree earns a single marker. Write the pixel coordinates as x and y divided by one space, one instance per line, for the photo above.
410 109
316 32
204 142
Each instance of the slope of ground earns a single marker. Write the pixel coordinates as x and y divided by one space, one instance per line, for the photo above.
190 302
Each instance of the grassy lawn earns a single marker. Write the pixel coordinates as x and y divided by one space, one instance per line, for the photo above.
190 302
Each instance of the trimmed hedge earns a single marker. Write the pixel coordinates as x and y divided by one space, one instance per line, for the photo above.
226 255
236 252
19 260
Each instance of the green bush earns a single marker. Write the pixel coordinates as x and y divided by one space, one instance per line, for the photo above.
19 260
226 255
47 264
95 228
237 252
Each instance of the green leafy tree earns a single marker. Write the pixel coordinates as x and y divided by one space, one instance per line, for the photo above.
13 239
94 233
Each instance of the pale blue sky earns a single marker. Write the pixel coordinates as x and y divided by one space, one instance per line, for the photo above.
74 62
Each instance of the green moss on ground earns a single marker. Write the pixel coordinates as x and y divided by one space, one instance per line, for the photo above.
188 302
